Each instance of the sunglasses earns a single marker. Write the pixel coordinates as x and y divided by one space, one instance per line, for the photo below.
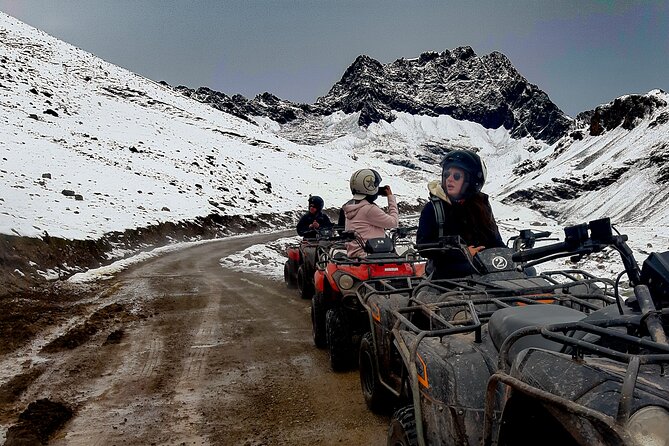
456 175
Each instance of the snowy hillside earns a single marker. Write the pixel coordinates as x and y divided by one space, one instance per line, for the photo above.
87 148
619 170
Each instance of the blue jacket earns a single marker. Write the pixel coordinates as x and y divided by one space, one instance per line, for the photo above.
307 219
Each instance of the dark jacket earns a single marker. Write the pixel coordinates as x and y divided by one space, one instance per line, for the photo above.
307 219
471 219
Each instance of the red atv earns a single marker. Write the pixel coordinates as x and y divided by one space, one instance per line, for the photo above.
298 271
338 319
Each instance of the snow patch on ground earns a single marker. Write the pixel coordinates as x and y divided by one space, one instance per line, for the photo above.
264 259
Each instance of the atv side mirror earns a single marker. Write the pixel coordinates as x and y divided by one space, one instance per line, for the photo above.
600 230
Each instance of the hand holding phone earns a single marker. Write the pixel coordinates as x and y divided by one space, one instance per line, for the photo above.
384 191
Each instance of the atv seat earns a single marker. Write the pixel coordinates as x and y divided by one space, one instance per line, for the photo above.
507 320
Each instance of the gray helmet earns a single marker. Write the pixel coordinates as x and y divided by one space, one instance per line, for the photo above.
365 182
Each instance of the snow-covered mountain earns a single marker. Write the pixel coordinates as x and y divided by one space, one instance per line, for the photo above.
487 90
87 148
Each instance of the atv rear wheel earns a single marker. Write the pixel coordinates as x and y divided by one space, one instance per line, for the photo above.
289 274
338 330
376 395
402 430
304 284
318 313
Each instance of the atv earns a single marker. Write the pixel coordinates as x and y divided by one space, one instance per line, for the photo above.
298 270
381 372
563 361
598 380
338 319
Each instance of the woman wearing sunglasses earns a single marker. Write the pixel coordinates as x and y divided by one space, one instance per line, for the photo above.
458 207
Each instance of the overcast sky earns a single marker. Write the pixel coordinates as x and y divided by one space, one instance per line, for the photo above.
582 53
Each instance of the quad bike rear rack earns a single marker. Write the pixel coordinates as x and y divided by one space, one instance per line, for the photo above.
648 353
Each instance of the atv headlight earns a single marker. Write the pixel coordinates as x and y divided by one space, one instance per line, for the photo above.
649 426
345 282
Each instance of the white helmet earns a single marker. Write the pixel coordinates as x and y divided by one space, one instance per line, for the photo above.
365 182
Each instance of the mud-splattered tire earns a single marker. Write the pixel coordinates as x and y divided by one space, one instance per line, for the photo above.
318 313
288 275
338 330
402 431
377 397
304 284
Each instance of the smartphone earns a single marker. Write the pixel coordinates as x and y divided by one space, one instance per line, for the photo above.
383 191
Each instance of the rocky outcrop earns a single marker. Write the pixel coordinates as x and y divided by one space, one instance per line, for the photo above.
265 104
623 112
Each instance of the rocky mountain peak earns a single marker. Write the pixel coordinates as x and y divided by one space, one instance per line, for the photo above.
362 67
487 90
484 89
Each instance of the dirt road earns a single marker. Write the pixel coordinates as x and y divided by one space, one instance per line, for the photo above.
179 350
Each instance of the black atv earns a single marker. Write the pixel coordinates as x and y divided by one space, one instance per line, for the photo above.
494 274
598 380
299 269
566 362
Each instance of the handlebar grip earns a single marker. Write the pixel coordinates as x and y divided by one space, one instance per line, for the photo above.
537 253
542 234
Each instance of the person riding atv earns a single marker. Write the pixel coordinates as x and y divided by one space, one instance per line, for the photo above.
457 207
362 216
338 320
563 361
314 219
317 229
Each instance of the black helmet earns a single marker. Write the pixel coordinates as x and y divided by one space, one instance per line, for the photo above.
317 202
471 163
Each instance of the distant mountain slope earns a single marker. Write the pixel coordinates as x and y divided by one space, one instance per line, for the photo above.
615 164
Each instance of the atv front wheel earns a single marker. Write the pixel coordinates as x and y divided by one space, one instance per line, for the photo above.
402 430
289 275
318 312
376 396
338 330
304 284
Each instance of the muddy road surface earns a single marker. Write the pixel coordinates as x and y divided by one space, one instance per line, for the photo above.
179 350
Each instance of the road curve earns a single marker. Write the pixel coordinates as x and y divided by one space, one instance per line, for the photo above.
206 356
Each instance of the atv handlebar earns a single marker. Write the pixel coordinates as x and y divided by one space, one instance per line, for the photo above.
585 238
538 253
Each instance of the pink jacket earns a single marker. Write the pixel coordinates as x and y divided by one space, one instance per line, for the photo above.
368 221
